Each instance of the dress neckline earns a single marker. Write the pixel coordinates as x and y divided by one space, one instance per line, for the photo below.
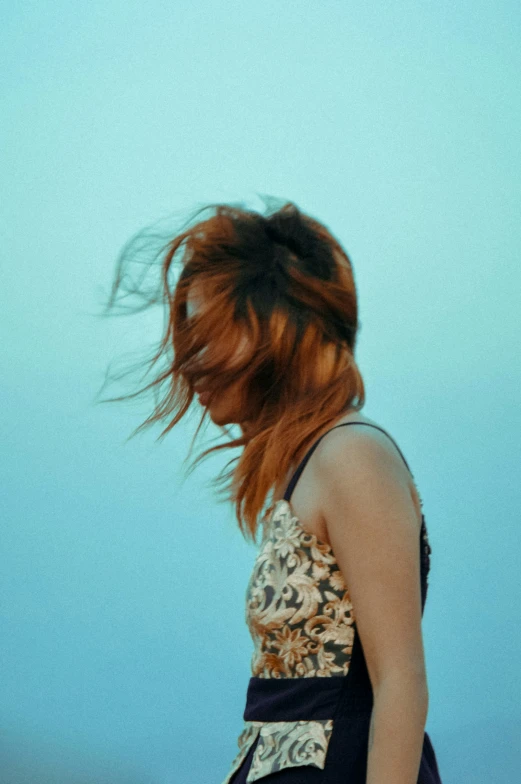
270 513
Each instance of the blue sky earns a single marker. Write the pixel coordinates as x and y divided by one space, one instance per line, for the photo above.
125 656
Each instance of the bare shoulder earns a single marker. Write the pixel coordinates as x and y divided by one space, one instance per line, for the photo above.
351 439
351 447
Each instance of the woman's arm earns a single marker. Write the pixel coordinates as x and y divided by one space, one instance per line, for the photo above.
396 731
374 530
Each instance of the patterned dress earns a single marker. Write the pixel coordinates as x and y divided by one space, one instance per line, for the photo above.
309 700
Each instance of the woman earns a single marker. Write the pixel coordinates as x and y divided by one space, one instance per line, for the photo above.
263 323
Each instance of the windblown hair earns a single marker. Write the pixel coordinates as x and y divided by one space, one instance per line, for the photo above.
282 280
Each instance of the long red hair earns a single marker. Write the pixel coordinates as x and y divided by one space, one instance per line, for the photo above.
284 281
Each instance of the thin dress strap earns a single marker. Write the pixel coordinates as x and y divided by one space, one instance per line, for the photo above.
302 464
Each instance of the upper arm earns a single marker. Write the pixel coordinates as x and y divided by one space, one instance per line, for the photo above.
372 524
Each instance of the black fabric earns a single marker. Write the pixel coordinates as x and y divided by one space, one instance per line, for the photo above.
292 699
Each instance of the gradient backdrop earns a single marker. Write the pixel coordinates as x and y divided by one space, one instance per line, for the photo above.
124 653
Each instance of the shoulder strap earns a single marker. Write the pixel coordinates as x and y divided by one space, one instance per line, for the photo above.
302 464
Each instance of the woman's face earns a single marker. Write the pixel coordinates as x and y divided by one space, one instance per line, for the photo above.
227 406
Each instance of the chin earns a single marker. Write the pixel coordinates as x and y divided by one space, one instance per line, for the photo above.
220 415
224 412
218 419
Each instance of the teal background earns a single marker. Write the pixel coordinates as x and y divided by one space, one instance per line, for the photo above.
124 652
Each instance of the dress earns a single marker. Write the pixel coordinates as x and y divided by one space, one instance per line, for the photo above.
309 700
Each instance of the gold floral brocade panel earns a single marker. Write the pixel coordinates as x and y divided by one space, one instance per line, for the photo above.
298 608
282 744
